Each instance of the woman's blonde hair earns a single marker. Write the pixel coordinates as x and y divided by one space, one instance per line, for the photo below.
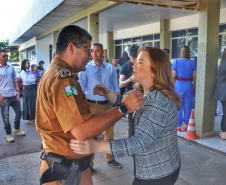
161 68
185 52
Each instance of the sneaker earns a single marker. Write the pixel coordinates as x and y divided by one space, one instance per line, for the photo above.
10 138
115 164
19 132
178 129
91 169
223 135
185 128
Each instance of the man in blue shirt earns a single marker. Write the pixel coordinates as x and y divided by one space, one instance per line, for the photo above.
9 96
99 72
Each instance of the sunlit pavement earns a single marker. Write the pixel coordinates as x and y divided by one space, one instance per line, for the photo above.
200 165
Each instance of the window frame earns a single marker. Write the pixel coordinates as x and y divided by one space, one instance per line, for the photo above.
140 43
186 37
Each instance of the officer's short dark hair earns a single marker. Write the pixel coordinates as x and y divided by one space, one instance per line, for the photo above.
71 33
133 50
98 44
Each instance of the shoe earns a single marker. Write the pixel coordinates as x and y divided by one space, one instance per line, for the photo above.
220 133
115 164
30 121
223 135
185 128
10 138
91 169
178 129
19 132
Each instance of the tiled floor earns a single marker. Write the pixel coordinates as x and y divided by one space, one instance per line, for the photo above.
213 142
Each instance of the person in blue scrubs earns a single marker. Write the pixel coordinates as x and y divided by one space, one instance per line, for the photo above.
184 73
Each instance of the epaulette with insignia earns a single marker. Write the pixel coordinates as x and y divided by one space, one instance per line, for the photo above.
64 73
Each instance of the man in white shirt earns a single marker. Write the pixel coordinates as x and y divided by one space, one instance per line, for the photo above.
9 96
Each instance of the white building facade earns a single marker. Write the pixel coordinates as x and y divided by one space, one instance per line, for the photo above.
200 24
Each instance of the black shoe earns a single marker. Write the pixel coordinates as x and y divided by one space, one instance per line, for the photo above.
115 164
91 169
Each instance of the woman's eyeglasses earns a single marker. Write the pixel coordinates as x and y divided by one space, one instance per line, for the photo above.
4 56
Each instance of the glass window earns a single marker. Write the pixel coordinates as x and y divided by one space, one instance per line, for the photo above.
156 36
193 46
50 53
176 47
147 40
192 32
118 51
222 28
136 39
150 44
31 54
181 33
126 48
222 44
118 42
157 44
148 37
126 41
23 55
31 48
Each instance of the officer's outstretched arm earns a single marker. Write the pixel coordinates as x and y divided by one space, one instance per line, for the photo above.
101 122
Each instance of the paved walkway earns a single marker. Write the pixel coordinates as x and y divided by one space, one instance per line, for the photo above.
213 142
200 165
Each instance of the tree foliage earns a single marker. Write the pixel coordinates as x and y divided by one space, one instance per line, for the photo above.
12 50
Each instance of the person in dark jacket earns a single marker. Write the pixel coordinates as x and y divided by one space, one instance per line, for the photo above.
220 92
125 58
40 65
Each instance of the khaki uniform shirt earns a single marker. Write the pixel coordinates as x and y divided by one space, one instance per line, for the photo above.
61 106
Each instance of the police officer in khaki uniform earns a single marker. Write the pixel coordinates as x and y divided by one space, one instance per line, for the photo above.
62 111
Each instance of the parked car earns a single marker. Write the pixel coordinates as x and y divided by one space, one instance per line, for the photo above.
20 83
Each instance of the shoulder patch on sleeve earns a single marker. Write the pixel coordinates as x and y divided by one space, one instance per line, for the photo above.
64 73
71 89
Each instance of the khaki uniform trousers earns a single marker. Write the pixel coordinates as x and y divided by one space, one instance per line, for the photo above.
109 133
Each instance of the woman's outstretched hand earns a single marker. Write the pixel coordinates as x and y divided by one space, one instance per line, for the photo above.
101 90
84 147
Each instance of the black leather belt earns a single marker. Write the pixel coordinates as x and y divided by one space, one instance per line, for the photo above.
98 102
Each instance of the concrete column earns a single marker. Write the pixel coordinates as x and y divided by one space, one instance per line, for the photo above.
110 46
164 34
42 50
54 37
208 43
93 26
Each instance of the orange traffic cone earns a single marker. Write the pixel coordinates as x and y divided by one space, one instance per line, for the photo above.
191 132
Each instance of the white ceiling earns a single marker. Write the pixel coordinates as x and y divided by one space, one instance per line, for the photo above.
129 15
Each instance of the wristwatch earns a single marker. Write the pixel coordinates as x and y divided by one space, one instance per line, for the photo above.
123 109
